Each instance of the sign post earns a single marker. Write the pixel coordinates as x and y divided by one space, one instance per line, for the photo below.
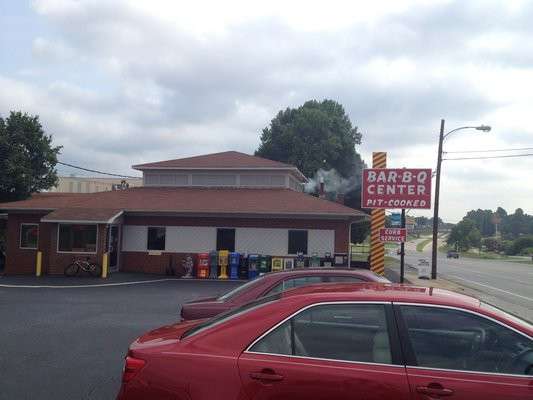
398 188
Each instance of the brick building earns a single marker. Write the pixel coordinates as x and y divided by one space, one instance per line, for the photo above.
226 200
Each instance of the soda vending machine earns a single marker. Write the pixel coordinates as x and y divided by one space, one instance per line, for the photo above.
234 262
253 265
187 264
243 267
213 264
202 270
223 261
265 265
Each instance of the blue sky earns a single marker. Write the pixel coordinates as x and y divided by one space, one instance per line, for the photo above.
120 83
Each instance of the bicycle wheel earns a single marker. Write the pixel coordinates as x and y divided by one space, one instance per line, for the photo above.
72 270
95 269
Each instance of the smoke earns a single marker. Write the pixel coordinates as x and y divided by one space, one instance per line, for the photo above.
333 182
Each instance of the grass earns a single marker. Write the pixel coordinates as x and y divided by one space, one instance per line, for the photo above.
485 255
420 246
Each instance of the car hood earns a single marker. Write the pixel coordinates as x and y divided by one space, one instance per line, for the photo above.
165 335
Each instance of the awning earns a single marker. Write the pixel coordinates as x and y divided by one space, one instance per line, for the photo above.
83 215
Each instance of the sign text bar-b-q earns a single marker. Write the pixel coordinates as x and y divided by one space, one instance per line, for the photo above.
396 188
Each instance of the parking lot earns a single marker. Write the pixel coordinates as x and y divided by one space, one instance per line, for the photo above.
69 343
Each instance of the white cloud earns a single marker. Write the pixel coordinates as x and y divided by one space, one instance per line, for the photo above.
129 82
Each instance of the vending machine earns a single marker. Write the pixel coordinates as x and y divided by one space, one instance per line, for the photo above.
243 267
213 264
234 262
253 266
328 260
299 262
187 264
202 270
314 261
223 261
288 263
277 264
265 265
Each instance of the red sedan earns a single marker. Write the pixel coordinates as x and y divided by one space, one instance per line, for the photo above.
272 283
339 341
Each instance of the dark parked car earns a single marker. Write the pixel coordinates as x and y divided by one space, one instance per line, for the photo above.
271 283
452 254
339 341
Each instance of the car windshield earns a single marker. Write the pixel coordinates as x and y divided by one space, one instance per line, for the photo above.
226 316
240 289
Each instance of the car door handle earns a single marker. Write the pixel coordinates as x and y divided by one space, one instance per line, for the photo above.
434 389
267 375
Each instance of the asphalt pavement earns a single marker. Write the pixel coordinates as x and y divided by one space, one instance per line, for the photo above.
69 343
505 284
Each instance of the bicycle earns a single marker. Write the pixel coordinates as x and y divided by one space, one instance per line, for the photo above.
79 265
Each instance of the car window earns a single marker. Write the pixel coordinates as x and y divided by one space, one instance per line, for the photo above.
457 340
294 283
346 332
225 316
241 289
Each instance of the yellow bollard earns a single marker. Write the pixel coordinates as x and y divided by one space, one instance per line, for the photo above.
38 263
104 265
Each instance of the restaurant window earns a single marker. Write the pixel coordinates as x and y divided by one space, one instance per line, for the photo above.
156 238
77 238
297 242
225 239
29 236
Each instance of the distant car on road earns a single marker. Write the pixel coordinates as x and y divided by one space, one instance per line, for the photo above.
452 254
339 341
272 283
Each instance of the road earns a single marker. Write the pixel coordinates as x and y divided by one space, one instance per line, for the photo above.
505 284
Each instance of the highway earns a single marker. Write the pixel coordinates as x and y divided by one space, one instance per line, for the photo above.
505 284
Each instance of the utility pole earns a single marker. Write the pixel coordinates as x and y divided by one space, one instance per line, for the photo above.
402 250
436 205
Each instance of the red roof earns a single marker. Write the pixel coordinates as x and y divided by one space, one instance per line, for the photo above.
280 202
224 160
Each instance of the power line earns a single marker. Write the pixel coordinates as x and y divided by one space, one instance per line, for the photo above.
98 172
489 151
484 158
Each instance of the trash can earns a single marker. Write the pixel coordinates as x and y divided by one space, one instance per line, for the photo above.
253 265
234 262
265 265
243 267
213 264
202 270
288 263
328 260
223 261
277 264
314 261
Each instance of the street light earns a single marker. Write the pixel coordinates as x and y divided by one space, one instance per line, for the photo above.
442 136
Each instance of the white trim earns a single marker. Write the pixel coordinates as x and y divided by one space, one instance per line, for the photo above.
481 315
302 310
20 236
85 222
76 252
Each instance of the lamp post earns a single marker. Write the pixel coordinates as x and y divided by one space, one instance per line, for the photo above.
442 137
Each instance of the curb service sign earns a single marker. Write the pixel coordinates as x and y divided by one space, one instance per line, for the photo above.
396 188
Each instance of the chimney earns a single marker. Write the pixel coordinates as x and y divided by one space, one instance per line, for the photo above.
340 198
321 192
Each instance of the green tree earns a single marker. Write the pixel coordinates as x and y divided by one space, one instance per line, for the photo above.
27 157
483 221
519 223
464 235
317 135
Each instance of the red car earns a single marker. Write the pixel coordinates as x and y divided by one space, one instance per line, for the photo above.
339 341
272 283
